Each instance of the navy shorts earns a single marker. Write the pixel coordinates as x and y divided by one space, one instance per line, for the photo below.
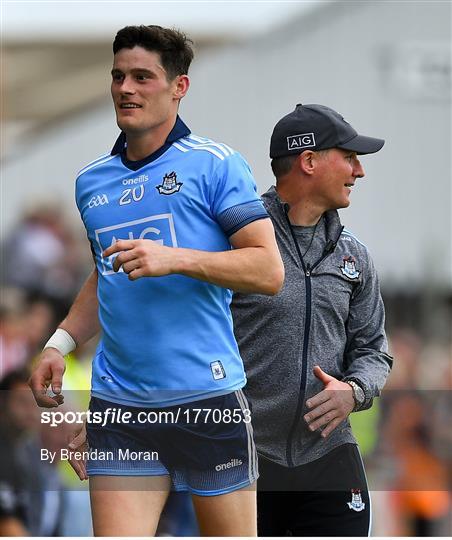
205 446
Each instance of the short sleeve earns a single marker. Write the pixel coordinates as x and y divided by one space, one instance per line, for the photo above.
234 199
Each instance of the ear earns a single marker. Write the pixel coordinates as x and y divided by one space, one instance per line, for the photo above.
306 162
182 84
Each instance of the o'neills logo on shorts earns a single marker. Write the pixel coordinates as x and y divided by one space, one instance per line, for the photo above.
304 140
233 463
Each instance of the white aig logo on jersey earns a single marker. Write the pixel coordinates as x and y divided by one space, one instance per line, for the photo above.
349 268
159 228
169 185
356 503
98 200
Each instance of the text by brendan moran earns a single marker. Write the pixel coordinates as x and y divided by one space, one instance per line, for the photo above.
120 454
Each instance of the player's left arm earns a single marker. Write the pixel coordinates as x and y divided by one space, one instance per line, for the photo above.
253 266
366 358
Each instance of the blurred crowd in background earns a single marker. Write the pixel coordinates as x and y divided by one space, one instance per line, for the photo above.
406 438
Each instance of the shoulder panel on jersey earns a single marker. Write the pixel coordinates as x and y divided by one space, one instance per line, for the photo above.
224 147
97 159
217 149
205 140
197 138
348 233
180 147
96 163
190 146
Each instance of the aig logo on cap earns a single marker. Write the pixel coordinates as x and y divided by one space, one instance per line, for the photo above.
296 142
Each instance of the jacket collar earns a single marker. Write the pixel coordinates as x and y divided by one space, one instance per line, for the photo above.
279 209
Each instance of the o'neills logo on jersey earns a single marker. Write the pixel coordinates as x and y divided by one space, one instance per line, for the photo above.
233 463
135 181
169 185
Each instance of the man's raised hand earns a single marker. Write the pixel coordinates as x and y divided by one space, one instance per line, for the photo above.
48 373
142 258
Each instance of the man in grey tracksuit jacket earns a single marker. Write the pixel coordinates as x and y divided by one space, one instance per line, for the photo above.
328 314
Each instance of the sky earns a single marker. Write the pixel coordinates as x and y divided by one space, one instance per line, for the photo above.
37 19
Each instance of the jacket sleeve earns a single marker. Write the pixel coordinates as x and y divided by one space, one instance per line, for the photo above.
366 357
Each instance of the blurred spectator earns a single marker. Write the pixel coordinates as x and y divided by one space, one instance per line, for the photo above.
406 347
41 254
420 483
412 464
13 349
30 496
25 323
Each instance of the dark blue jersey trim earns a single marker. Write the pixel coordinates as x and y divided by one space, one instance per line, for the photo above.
179 130
236 217
246 222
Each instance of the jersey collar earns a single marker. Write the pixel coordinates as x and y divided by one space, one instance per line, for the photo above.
179 130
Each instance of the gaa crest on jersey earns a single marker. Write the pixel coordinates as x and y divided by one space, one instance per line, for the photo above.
356 503
218 371
349 268
169 184
98 200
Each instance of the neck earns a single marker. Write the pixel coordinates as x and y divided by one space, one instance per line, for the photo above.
303 210
142 144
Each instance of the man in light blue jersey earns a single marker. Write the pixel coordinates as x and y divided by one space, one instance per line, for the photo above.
175 225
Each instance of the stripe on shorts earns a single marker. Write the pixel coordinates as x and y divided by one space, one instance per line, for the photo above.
252 455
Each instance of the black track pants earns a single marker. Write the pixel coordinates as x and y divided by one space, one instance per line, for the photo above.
327 497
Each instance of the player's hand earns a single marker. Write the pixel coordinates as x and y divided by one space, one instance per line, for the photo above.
48 372
79 444
330 406
142 258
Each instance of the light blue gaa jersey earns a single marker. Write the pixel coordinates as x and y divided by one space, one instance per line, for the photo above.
166 340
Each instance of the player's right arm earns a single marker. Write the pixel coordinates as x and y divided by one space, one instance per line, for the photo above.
81 324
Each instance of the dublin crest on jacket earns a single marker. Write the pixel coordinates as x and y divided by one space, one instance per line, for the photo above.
169 185
349 268
356 503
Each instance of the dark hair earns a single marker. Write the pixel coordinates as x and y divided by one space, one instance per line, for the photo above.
282 165
174 47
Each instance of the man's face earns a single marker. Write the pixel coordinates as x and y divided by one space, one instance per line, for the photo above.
337 172
142 95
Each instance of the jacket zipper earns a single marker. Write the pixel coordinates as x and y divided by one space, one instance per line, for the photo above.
329 248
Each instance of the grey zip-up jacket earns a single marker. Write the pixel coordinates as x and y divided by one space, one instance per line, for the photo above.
329 314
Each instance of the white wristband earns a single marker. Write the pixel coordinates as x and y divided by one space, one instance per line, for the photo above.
62 342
